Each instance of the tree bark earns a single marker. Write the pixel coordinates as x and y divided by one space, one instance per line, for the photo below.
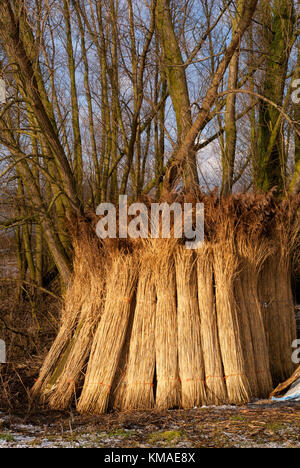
230 114
174 68
279 32
188 142
12 41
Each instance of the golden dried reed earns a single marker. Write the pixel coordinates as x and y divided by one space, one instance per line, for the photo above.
77 294
207 341
278 313
119 386
110 335
190 353
215 383
283 387
141 358
225 267
168 392
252 255
242 299
74 364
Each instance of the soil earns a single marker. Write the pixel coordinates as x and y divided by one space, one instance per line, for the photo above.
258 425
22 425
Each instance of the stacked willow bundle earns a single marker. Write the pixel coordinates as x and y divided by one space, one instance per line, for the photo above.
152 324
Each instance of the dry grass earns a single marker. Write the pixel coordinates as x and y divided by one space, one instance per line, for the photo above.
276 296
251 257
157 325
74 362
215 383
190 352
28 327
110 335
141 358
82 301
168 392
229 326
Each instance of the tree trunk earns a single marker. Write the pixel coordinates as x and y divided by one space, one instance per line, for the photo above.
230 114
271 165
188 142
177 83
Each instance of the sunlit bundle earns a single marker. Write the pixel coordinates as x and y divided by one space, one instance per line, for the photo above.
150 323
190 352
110 335
73 363
278 312
140 366
252 254
215 383
82 304
229 325
168 392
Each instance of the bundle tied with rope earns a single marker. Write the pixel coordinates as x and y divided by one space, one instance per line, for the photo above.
149 324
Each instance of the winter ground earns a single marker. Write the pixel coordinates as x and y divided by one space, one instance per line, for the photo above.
260 425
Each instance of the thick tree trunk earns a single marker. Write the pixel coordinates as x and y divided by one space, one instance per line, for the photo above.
188 142
178 89
271 164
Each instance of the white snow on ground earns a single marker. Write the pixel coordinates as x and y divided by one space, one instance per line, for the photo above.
294 391
29 436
